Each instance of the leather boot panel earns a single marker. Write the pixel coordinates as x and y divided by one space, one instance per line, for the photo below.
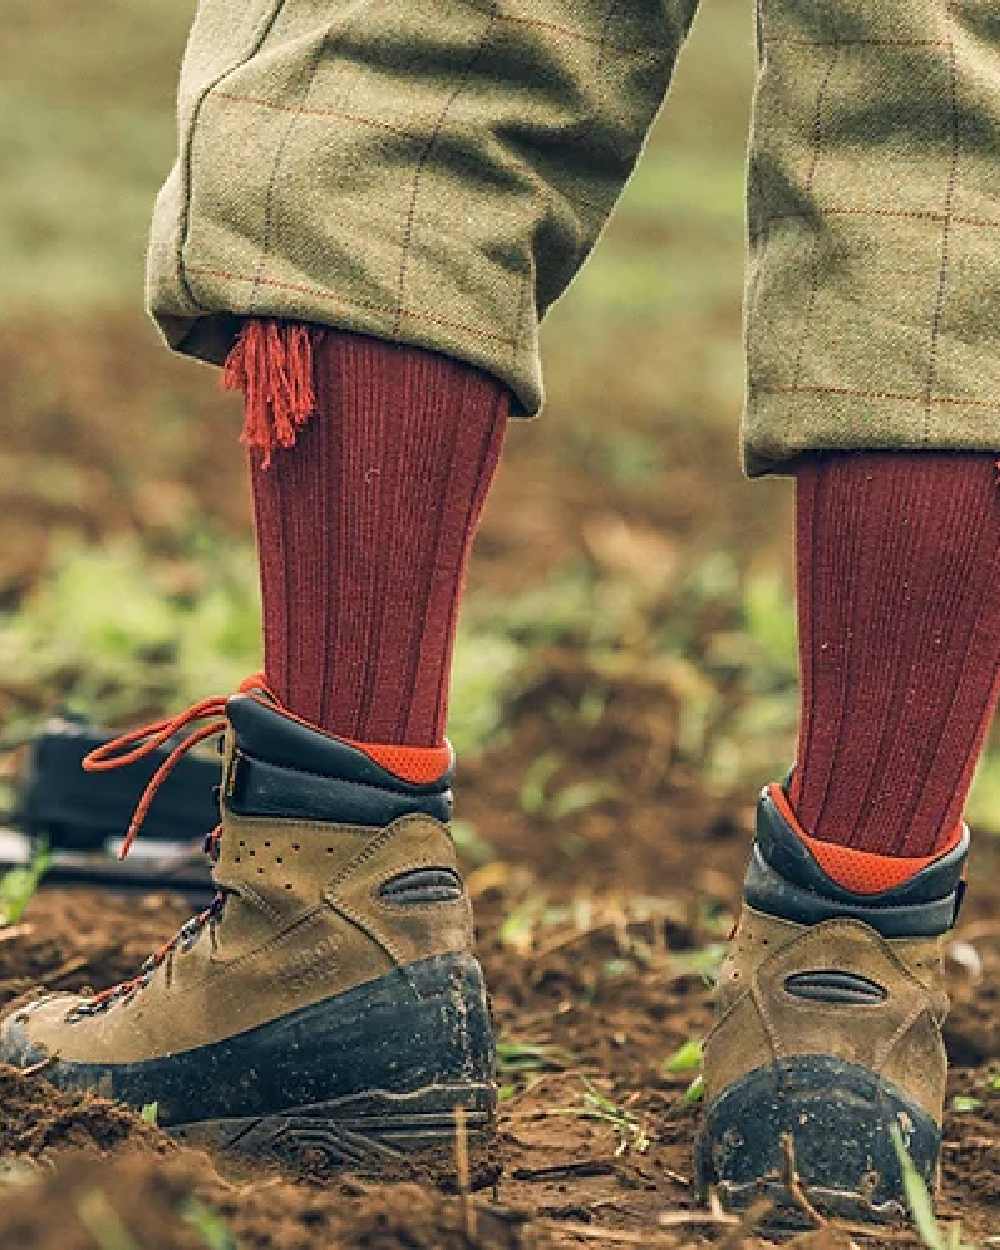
260 788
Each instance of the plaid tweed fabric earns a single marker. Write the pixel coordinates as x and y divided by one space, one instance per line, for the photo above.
437 172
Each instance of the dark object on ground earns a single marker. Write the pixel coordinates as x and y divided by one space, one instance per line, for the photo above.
81 817
74 810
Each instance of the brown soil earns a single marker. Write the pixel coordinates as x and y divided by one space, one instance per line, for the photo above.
39 1120
173 1204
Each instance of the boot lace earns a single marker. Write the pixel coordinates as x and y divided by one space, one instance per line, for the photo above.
129 748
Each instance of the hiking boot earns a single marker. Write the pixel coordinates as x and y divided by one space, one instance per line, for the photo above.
826 1055
326 1010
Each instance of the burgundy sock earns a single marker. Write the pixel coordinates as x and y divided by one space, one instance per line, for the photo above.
367 493
899 639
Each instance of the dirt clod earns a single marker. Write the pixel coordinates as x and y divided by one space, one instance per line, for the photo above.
36 1119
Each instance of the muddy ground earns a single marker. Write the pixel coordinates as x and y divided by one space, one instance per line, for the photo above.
599 929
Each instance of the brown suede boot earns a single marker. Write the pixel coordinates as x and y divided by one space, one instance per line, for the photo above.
828 1038
327 1009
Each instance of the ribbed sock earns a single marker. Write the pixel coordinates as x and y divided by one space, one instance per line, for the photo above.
370 465
899 638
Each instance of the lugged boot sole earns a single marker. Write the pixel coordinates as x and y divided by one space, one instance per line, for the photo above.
442 1134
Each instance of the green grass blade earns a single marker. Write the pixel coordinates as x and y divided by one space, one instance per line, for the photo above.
686 1058
18 886
919 1200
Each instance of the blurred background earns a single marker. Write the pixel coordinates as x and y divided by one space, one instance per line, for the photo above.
629 628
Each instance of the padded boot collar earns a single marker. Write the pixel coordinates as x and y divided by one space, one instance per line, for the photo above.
785 880
269 734
279 767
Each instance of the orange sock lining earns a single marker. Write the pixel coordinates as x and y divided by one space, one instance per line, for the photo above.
863 872
418 765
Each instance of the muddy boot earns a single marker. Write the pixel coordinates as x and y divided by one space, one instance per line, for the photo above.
828 1036
326 1011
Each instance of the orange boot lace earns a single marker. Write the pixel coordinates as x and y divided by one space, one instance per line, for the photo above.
129 748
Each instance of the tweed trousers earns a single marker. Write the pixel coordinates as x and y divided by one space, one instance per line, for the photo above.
436 172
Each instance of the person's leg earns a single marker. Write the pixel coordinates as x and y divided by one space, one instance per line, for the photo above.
364 528
336 960
872 313
832 997
899 628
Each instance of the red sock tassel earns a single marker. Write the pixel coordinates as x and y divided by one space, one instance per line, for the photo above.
272 364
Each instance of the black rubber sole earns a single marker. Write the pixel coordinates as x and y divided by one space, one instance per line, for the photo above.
838 1117
392 1136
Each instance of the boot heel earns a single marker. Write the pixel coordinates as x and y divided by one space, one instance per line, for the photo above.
839 1118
